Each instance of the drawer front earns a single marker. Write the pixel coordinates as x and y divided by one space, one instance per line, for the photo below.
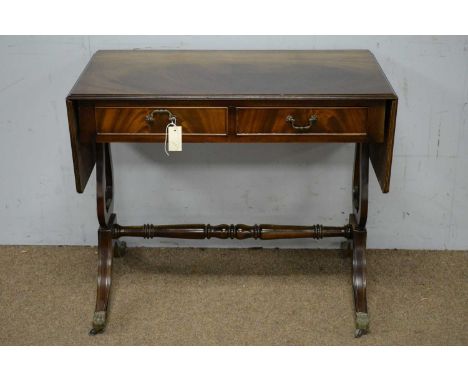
351 121
133 120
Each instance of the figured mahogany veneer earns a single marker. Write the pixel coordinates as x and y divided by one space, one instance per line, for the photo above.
130 121
342 124
330 121
232 97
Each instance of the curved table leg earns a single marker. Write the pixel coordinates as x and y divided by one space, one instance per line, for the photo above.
359 282
358 221
107 246
104 279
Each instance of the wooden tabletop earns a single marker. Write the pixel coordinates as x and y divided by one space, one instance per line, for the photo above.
143 79
233 74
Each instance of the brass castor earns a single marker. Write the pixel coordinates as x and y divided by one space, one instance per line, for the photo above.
359 332
362 324
99 323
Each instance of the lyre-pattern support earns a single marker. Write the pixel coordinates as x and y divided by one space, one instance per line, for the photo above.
358 221
109 233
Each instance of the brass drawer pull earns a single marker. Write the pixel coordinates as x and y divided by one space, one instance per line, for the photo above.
150 117
312 122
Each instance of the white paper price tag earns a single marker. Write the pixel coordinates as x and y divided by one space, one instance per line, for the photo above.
174 138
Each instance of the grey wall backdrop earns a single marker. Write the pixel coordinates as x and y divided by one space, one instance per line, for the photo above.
427 206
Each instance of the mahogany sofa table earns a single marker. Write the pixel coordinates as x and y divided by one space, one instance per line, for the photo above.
232 97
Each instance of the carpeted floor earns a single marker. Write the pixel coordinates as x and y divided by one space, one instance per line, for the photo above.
232 297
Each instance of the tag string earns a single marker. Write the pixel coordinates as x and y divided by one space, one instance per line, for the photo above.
170 124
